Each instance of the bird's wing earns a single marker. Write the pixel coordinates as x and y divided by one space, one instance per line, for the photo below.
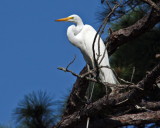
87 35
74 39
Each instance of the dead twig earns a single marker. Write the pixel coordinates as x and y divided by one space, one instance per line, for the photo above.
74 74
99 33
71 62
103 27
122 102
152 4
141 108
133 73
124 81
100 82
120 79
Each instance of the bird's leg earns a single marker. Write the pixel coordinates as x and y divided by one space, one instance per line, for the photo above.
88 119
108 90
90 94
103 79
88 68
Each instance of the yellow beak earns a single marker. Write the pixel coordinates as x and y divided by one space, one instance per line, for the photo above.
64 19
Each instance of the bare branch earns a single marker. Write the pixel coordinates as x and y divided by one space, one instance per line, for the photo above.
79 76
77 95
125 35
142 108
133 73
151 105
71 62
66 70
113 122
128 119
100 31
103 27
152 4
107 103
124 81
100 82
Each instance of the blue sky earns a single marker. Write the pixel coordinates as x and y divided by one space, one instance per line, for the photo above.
32 46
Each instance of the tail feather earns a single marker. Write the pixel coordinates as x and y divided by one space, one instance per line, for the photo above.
107 75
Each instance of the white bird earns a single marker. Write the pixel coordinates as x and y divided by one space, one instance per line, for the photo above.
82 36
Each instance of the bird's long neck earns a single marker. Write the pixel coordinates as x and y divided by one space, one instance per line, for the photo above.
79 26
73 31
79 23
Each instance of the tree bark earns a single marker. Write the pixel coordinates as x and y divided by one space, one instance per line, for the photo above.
112 104
125 35
128 119
151 105
77 96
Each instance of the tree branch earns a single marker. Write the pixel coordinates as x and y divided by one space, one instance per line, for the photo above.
151 105
128 119
152 4
77 94
84 76
125 35
112 104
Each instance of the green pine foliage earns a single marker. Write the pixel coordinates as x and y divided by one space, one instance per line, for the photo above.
139 53
129 19
98 92
35 111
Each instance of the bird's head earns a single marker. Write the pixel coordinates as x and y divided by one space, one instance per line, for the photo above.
72 18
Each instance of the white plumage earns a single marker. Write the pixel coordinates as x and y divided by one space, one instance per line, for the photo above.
82 36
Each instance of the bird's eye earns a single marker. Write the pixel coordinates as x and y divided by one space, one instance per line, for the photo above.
72 17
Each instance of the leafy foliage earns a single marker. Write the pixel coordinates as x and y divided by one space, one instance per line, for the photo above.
35 111
139 53
126 6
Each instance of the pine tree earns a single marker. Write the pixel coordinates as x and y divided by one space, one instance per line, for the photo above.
35 111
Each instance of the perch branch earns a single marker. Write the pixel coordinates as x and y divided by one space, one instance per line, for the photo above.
125 35
110 103
128 119
152 4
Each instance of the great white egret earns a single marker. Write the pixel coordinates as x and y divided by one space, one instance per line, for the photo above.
82 37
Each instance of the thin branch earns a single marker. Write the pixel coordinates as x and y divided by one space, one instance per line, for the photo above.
125 35
79 76
108 5
71 62
103 27
100 30
66 70
152 4
124 81
128 119
151 105
133 73
100 82
141 108
77 96
120 79
109 103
